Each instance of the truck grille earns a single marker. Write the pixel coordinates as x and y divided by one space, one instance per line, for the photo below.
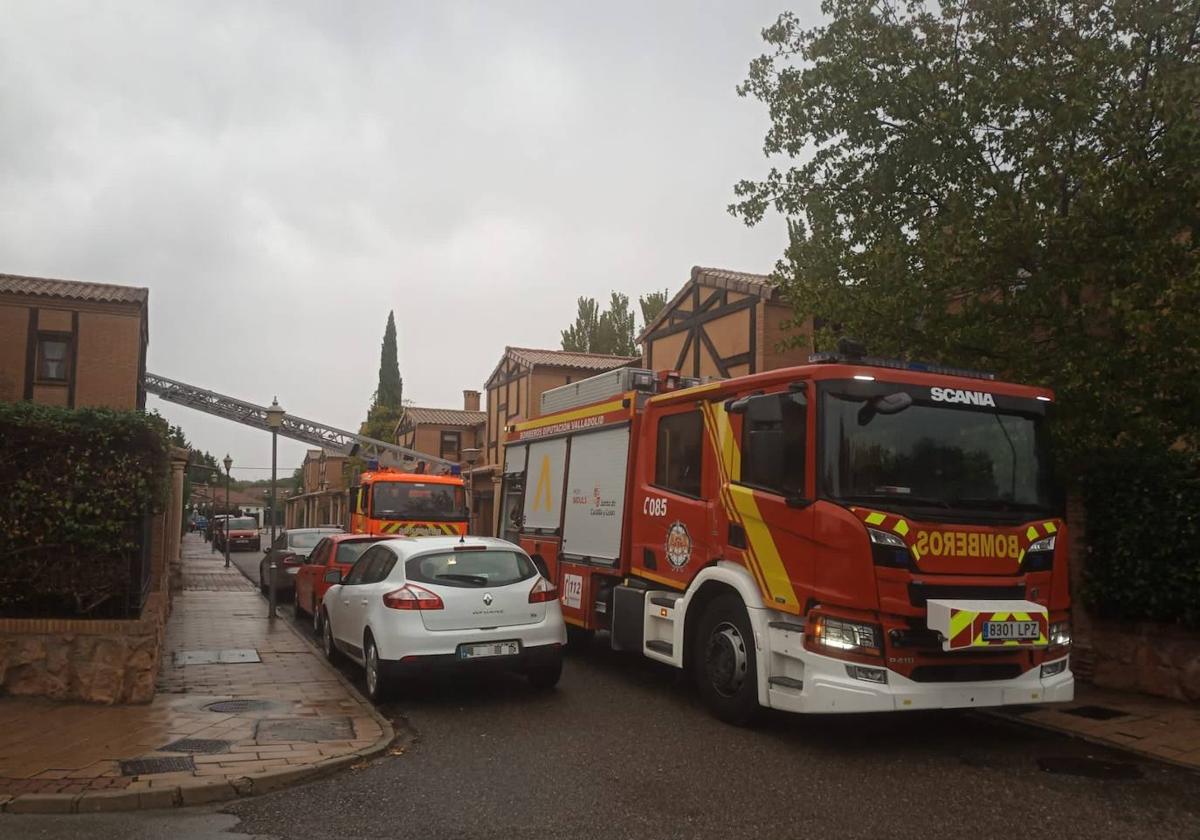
920 593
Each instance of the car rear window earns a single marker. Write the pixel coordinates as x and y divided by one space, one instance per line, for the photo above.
304 539
348 552
471 569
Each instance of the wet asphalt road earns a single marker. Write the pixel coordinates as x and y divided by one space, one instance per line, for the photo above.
624 749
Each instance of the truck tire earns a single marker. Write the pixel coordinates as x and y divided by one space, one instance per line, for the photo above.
723 661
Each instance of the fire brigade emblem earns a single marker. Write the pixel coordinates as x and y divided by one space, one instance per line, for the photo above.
679 545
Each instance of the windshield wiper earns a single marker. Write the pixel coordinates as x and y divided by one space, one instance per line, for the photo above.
478 580
903 498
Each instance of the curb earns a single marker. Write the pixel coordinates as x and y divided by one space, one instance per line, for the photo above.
1090 739
204 793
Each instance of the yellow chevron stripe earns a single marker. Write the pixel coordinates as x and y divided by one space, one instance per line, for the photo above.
875 518
960 621
1050 527
1031 533
720 436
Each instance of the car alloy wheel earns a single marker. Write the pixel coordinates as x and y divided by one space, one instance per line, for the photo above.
372 670
331 651
316 617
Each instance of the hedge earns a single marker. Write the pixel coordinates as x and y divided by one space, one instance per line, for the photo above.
1143 535
77 488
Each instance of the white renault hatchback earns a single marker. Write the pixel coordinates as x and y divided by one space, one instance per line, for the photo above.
417 601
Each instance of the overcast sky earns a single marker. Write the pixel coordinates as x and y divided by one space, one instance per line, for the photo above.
280 175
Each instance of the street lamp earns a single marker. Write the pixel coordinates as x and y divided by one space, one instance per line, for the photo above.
212 512
228 462
274 421
470 456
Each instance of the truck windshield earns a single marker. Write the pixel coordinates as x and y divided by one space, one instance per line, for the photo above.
937 456
410 500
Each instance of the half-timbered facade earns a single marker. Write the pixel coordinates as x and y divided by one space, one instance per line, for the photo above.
722 324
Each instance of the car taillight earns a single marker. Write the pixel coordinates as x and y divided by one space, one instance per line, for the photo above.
289 560
412 597
543 591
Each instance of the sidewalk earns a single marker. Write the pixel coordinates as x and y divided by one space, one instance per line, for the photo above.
243 707
1165 730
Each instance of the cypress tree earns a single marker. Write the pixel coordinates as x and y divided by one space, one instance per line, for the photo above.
391 387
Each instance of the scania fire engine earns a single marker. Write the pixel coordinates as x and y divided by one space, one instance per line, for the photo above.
851 535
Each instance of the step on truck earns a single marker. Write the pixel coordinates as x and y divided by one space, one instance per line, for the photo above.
851 535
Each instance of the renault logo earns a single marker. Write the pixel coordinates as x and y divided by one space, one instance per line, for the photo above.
487 599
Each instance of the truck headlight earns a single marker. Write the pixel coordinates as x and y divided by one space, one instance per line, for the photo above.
844 636
888 549
1044 544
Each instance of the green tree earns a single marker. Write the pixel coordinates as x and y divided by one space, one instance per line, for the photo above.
387 404
651 305
1009 185
611 331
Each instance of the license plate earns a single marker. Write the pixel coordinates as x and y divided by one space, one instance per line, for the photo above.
489 649
1010 631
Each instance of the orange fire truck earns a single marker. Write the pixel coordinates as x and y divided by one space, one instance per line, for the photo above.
850 535
390 501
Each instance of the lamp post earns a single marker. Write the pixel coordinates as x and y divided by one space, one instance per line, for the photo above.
470 456
274 421
212 512
228 462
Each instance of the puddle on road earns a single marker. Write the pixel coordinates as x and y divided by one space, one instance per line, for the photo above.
1090 768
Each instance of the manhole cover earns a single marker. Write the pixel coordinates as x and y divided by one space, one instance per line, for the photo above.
304 729
205 746
234 707
1090 768
235 656
163 764
1095 712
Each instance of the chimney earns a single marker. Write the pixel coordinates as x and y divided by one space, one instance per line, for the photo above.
470 400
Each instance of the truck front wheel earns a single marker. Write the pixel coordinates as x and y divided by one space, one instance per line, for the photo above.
723 661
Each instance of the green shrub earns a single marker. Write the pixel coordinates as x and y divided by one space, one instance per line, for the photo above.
1143 536
78 486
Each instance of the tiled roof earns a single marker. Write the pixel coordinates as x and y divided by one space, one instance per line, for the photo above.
442 416
72 289
598 362
717 278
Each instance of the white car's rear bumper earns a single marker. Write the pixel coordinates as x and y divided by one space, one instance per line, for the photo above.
403 637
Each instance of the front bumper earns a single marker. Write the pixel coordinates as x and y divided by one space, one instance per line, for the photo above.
815 683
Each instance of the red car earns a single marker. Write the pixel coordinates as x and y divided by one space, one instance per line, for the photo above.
335 551
242 533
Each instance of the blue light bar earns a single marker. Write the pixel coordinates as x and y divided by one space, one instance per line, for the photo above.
828 358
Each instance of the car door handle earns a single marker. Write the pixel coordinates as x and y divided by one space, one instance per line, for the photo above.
364 602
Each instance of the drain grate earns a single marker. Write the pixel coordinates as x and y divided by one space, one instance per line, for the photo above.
234 707
1095 712
204 746
303 729
1090 768
157 764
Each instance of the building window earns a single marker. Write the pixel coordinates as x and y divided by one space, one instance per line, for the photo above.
677 456
451 441
774 437
53 357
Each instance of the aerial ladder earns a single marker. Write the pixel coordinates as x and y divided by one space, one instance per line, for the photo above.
297 428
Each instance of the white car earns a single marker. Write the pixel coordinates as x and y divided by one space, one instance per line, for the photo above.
418 601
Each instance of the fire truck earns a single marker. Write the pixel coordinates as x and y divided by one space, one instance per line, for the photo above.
392 501
850 535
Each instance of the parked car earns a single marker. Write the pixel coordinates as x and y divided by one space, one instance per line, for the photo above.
424 601
200 523
289 551
242 533
335 551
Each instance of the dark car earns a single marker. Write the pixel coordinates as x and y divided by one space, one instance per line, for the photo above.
289 551
242 533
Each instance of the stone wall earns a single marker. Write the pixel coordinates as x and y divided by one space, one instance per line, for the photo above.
100 661
1146 657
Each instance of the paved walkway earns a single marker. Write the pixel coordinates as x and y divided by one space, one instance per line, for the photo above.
243 706
1157 728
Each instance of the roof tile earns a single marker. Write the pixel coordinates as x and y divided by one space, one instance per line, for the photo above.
443 416
72 289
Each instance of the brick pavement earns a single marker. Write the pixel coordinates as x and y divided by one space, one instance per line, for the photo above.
311 721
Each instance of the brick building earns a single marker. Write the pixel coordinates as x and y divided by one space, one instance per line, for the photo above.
443 432
723 324
322 499
72 344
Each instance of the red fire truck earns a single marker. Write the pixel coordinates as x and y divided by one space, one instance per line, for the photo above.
851 535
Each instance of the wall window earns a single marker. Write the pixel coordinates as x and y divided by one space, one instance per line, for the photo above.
774 441
451 443
678 453
53 357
